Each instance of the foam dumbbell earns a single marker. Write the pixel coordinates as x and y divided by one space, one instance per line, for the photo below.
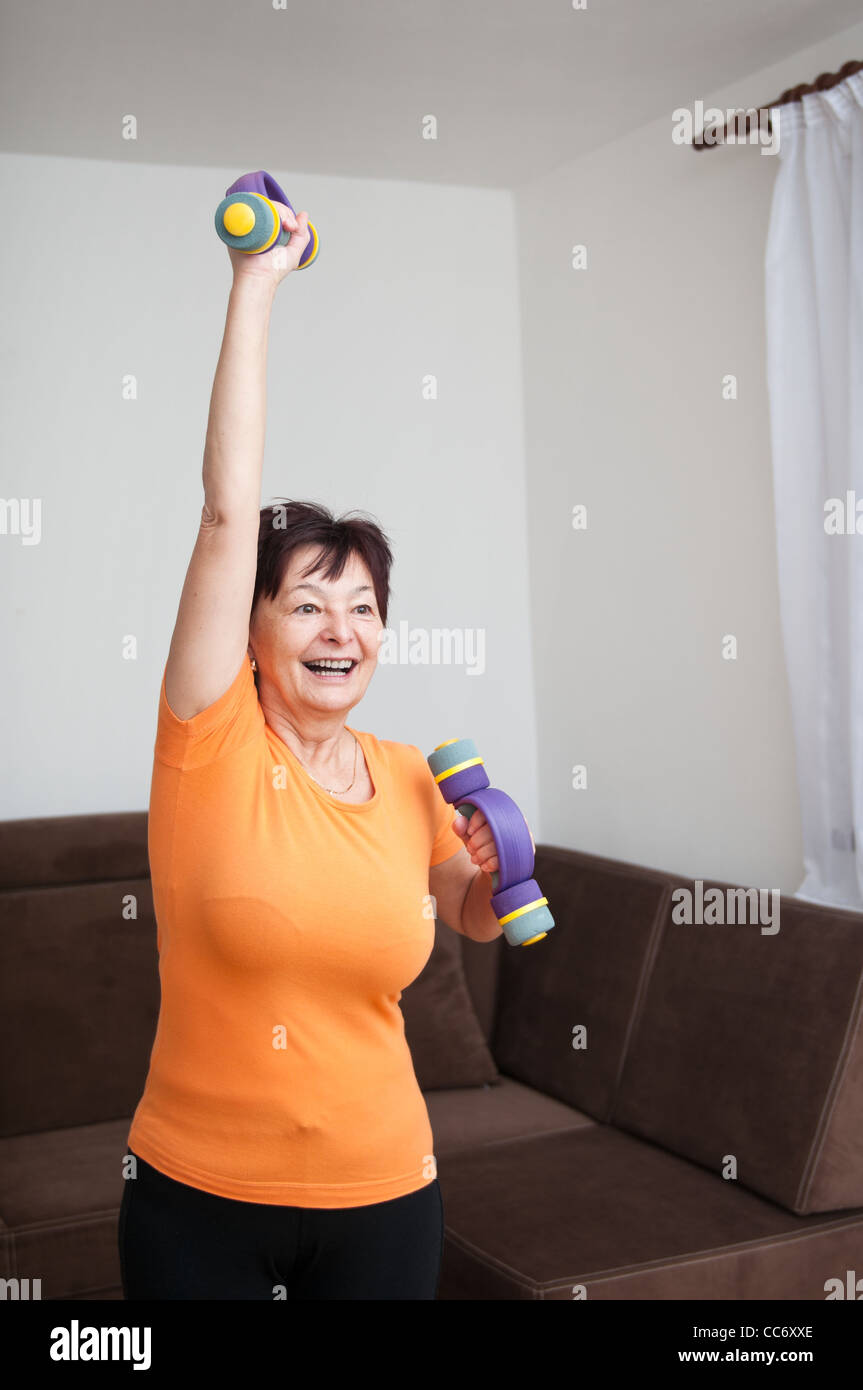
517 902
247 220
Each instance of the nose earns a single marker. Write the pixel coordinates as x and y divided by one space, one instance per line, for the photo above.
337 628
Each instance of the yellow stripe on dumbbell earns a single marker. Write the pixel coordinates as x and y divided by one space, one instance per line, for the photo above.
520 911
459 767
446 743
531 939
278 221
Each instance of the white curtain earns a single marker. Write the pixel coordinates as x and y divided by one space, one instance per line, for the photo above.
814 287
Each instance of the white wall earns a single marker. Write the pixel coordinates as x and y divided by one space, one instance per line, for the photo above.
115 269
606 649
690 759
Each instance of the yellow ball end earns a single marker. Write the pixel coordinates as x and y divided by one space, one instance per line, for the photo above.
238 219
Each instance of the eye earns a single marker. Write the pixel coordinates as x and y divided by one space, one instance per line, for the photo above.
314 605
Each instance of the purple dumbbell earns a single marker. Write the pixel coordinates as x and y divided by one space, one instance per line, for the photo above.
247 220
517 903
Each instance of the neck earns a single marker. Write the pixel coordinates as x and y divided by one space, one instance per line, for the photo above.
319 739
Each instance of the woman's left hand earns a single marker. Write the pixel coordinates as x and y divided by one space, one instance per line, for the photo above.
478 840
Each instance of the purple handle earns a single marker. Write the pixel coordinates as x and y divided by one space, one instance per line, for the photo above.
260 182
510 833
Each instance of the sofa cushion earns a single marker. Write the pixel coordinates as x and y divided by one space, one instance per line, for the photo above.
590 970
60 1196
463 1119
750 1044
447 1044
79 999
594 1212
481 961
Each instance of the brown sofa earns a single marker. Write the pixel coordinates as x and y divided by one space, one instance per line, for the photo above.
632 1108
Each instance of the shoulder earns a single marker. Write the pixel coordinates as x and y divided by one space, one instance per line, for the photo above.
231 721
405 758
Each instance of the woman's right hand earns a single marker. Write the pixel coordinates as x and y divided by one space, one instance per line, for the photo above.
279 261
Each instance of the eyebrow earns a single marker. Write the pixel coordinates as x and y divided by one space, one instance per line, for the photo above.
360 589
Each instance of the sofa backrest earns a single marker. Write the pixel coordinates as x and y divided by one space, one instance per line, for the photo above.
747 1052
566 1004
733 1045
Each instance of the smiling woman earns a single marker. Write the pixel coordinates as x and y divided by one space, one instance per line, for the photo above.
291 858
319 609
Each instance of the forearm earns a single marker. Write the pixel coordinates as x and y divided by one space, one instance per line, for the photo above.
477 916
236 426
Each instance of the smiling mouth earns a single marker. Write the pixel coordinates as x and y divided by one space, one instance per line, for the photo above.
330 673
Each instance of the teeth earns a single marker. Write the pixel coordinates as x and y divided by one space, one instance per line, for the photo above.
331 665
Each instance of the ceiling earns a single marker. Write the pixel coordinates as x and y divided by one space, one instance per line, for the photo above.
329 86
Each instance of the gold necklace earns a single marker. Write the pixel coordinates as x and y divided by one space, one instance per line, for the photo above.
331 790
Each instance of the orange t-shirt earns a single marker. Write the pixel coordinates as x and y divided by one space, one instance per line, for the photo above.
288 924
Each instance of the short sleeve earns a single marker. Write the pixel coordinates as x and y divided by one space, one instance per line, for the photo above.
446 842
230 722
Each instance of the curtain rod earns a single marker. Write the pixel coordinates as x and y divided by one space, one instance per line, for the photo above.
821 84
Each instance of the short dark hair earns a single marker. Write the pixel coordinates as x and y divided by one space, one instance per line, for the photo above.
287 525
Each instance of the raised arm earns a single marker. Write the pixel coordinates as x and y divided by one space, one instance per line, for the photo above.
211 633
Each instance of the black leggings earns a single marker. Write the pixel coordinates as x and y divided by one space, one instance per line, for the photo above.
178 1242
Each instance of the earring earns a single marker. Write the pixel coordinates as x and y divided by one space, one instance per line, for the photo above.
254 664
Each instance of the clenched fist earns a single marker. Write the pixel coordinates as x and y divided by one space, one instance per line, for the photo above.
475 832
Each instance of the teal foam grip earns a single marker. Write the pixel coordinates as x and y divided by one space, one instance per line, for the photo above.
263 228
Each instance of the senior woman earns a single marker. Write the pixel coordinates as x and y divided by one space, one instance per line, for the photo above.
282 1146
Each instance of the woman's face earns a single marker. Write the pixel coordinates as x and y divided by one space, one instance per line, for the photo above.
310 618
